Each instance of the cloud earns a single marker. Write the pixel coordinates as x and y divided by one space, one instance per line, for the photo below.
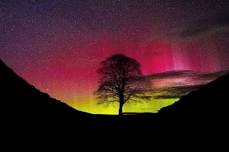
187 73
170 74
176 92
193 81
212 75
215 24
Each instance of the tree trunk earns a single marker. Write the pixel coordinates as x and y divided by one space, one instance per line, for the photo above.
121 103
120 112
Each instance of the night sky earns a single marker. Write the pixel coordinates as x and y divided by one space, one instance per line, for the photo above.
57 45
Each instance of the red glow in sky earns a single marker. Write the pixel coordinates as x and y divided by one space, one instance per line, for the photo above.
71 74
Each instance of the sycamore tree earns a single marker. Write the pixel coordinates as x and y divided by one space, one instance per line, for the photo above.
121 81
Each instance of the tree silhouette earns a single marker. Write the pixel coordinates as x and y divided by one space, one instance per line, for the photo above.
121 81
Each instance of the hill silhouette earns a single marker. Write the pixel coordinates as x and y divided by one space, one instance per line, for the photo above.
206 107
23 104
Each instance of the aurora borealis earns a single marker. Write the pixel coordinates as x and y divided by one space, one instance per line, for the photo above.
57 45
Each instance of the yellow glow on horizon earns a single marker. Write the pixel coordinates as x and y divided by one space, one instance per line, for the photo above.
133 107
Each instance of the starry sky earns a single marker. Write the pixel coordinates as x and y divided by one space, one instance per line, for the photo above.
57 45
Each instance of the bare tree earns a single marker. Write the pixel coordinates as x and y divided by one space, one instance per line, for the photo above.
121 81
